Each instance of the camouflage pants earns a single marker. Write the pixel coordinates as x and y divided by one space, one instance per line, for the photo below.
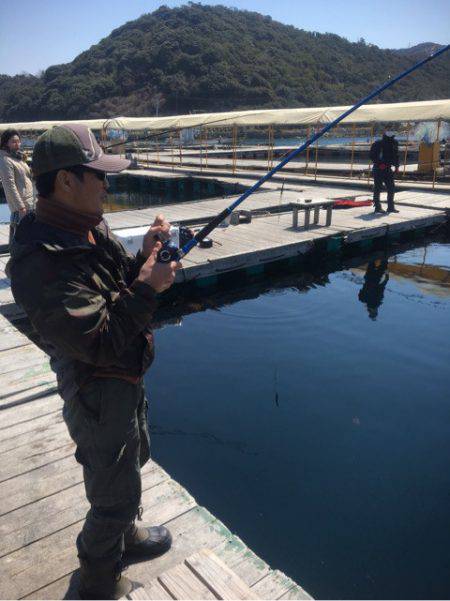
108 422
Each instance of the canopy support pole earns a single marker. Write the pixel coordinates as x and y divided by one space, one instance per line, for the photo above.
317 155
406 149
308 132
368 166
181 148
439 153
234 143
270 149
353 149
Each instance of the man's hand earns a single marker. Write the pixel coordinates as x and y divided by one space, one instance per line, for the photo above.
160 276
160 226
22 211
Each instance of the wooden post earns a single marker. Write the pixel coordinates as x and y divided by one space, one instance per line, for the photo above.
234 144
295 217
439 152
406 149
181 149
157 150
329 215
353 149
206 148
368 167
172 153
308 132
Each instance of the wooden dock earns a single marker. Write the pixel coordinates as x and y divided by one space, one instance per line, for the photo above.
41 490
43 506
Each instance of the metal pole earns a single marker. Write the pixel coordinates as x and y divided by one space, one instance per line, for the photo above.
308 133
439 153
206 148
317 154
353 149
406 148
270 148
181 150
368 167
172 154
234 142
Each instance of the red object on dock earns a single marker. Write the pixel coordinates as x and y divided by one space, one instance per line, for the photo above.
347 203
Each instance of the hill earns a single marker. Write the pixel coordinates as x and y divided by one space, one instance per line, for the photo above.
211 58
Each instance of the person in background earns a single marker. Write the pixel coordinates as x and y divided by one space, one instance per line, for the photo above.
16 179
384 155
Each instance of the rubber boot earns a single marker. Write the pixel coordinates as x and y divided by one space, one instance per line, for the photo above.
100 579
146 542
391 207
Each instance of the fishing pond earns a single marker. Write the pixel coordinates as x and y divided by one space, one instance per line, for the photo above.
309 410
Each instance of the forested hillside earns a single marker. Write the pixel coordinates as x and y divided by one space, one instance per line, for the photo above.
210 58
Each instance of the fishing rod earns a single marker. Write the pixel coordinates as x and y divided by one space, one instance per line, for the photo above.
170 250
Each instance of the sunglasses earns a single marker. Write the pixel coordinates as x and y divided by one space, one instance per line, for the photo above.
80 169
101 175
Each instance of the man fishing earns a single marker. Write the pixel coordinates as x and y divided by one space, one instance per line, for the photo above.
91 304
384 155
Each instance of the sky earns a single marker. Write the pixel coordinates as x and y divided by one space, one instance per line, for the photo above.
38 33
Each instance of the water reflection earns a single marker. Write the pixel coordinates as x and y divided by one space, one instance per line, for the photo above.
135 192
405 263
372 292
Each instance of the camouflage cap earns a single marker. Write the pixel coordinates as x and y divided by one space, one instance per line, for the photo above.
69 145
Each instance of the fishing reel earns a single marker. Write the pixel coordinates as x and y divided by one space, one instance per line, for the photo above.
179 235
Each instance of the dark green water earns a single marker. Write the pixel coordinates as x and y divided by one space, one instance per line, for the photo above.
317 433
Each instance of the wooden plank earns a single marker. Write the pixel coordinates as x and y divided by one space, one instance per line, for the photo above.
181 583
275 585
242 560
41 482
151 591
36 390
190 531
46 432
11 360
11 469
40 563
13 340
296 592
30 523
33 409
218 577
38 423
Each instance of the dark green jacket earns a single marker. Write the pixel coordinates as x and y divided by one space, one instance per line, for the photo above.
90 314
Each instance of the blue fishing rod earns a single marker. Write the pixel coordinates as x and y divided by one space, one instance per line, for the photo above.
170 250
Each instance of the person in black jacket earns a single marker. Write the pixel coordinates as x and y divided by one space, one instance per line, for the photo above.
384 155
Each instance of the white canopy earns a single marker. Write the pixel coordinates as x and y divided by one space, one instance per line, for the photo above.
430 110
